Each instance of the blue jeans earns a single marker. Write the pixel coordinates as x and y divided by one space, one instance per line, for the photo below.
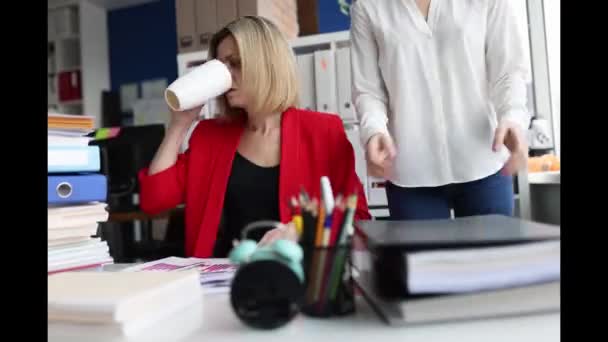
490 195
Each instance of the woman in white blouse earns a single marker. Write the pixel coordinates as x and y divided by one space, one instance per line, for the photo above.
440 90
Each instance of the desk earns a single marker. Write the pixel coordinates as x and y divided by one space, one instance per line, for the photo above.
545 200
217 322
129 216
135 235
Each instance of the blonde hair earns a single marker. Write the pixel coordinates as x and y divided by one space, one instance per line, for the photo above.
268 66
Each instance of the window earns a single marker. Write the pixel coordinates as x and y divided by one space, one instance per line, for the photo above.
552 34
544 35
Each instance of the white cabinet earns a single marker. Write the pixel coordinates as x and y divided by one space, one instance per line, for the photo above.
78 58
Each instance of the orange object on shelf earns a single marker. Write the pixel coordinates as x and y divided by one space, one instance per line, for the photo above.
547 162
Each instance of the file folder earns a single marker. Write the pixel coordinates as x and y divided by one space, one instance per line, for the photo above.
345 106
306 73
376 190
71 189
325 81
65 159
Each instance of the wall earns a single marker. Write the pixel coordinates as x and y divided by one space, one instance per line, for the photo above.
143 43
330 17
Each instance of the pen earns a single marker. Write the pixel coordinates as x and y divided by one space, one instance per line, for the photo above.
297 216
345 231
312 281
327 195
337 219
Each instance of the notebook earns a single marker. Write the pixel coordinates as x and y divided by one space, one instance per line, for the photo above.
70 121
172 324
215 273
73 158
60 140
70 240
478 269
86 230
68 254
117 297
77 215
79 264
526 300
459 255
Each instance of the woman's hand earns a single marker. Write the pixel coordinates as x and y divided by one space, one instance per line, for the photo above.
184 119
167 152
380 153
284 232
511 135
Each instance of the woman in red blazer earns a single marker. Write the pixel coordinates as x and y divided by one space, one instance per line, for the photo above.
245 165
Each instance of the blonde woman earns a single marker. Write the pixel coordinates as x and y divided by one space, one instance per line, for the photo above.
245 165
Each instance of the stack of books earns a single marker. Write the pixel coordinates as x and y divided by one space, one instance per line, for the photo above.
76 195
107 304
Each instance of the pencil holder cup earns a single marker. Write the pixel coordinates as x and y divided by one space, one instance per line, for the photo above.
268 286
328 281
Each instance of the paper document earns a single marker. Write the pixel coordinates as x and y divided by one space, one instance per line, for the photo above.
477 269
215 274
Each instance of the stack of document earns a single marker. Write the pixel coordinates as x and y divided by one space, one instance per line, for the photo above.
125 303
70 242
215 274
482 282
69 122
474 284
465 268
483 269
77 193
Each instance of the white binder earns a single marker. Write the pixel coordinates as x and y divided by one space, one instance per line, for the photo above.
376 191
352 133
325 81
345 106
306 75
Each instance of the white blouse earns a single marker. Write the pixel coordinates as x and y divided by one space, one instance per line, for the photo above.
438 85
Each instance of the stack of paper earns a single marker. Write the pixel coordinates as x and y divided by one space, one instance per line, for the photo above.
70 242
76 195
215 274
68 122
70 245
70 256
483 269
125 302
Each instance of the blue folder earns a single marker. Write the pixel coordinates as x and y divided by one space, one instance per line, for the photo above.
72 189
65 159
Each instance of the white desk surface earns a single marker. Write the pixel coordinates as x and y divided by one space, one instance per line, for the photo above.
215 321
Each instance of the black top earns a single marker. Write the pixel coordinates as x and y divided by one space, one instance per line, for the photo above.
251 195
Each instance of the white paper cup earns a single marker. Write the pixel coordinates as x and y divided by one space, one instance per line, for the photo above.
198 86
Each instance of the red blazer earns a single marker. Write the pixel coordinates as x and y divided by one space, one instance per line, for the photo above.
312 145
